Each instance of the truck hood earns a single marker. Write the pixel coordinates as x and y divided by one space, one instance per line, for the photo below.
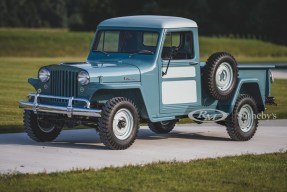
108 72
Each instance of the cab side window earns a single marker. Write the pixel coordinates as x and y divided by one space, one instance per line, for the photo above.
182 41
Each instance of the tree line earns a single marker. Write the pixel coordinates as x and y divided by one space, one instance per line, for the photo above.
260 19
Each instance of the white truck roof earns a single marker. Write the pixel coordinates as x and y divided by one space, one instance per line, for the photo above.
149 21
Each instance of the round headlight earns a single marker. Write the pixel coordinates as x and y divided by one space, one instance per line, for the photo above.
83 78
44 75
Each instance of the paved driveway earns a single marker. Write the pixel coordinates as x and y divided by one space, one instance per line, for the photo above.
83 149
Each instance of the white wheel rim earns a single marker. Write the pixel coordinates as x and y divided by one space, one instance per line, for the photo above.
224 76
245 118
123 124
164 122
46 129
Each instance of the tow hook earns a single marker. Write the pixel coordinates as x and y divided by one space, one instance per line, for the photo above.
270 101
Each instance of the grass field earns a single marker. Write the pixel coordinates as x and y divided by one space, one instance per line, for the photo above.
62 43
243 173
44 43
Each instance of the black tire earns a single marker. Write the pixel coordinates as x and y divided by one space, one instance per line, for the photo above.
244 132
223 123
34 127
162 126
215 62
110 134
197 122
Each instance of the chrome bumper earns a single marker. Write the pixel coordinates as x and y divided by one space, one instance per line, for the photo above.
69 110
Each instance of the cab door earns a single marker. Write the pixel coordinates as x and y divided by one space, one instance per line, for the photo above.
179 73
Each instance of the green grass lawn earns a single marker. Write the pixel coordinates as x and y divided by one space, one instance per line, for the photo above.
279 90
266 172
44 43
243 49
62 43
14 73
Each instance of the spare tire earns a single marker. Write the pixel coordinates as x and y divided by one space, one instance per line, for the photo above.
220 75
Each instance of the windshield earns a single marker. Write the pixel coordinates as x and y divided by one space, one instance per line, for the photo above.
124 41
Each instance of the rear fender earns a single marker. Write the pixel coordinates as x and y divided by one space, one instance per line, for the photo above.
252 88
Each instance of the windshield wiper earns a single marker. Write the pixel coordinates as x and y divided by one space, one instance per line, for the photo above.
144 51
173 50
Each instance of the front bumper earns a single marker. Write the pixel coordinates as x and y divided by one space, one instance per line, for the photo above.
69 110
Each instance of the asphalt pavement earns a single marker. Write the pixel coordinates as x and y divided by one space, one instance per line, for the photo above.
82 149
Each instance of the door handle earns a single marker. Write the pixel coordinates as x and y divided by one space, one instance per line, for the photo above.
193 62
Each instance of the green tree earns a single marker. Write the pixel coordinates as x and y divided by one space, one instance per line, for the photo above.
95 11
3 13
33 13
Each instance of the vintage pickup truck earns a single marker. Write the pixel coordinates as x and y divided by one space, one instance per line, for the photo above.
146 69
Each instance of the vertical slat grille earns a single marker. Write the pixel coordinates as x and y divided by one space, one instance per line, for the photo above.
64 83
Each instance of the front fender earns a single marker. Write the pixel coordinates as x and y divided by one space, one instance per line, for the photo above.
133 92
34 82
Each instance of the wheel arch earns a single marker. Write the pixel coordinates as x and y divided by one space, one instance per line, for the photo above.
100 97
252 88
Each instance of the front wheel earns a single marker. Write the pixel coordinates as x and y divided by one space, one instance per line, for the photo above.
40 129
242 122
162 126
119 123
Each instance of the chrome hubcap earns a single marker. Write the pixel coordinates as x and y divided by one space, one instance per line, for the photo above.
123 124
224 76
45 126
245 118
164 123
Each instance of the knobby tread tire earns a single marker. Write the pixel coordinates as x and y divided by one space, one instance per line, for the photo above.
232 125
106 120
209 72
34 132
159 128
223 123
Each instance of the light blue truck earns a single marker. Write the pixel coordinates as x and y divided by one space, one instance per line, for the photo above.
146 69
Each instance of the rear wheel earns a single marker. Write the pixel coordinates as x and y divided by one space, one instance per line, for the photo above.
242 122
162 127
40 129
119 123
223 123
